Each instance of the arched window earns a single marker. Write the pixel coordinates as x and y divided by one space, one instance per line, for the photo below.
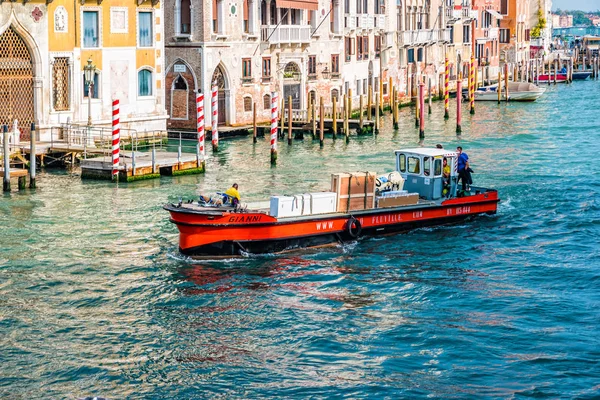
267 102
180 83
179 98
273 13
335 94
145 82
263 13
186 18
247 104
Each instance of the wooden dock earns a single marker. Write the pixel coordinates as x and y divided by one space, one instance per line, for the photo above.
142 165
18 173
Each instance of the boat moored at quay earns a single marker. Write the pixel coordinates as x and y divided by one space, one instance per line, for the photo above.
359 204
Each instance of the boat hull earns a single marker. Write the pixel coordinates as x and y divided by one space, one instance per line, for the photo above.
233 234
560 78
581 75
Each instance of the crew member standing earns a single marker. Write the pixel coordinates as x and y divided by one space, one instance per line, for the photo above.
463 167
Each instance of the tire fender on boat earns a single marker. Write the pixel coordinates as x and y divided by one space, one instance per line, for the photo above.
353 227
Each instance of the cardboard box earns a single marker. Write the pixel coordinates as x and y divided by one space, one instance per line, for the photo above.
355 191
396 201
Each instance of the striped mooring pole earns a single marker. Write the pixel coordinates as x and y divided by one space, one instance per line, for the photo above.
274 104
472 84
200 153
116 138
446 89
421 109
215 117
458 103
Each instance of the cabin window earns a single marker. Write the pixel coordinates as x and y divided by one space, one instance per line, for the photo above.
437 167
413 165
402 163
426 166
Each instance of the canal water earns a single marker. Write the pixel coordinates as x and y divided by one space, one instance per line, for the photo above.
96 301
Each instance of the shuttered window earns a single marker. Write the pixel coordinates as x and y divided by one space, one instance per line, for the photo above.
60 84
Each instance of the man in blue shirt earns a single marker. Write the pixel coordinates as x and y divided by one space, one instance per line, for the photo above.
463 168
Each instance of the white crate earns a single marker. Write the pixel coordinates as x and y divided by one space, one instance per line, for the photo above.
319 203
303 204
286 206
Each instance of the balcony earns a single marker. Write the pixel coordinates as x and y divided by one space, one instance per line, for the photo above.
423 37
350 23
453 14
490 33
365 21
380 21
468 15
286 34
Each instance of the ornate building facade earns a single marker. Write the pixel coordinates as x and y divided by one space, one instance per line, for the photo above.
44 47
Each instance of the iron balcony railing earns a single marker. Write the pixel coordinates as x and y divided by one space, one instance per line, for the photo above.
423 37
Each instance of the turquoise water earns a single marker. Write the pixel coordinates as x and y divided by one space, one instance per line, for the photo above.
96 301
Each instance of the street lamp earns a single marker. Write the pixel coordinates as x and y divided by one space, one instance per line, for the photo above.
89 70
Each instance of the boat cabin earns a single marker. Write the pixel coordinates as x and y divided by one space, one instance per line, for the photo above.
423 172
591 46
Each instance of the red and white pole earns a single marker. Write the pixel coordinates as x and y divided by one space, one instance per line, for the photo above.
421 110
459 103
116 138
274 103
215 117
201 154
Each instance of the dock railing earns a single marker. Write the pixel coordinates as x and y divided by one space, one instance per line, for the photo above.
97 141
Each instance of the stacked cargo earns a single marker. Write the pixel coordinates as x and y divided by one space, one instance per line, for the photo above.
355 191
302 204
397 198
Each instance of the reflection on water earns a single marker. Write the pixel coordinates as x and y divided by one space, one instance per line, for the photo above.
96 301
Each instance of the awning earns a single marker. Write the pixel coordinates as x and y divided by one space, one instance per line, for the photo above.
495 14
298 4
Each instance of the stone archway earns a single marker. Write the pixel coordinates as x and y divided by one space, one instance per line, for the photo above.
222 83
292 85
16 81
180 95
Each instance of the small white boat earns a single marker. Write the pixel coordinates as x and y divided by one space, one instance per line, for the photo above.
517 91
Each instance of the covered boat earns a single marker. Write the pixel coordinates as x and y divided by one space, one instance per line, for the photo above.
517 91
358 204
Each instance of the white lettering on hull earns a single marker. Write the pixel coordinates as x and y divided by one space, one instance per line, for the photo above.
322 226
459 210
386 219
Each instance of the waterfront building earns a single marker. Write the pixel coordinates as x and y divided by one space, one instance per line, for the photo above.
44 47
487 45
562 20
515 30
306 49
540 16
460 19
423 38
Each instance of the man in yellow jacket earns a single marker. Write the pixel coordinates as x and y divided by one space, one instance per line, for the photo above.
234 194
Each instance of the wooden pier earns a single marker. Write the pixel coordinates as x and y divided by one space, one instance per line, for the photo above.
18 173
140 165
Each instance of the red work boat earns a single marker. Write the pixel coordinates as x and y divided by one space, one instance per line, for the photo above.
344 214
545 78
